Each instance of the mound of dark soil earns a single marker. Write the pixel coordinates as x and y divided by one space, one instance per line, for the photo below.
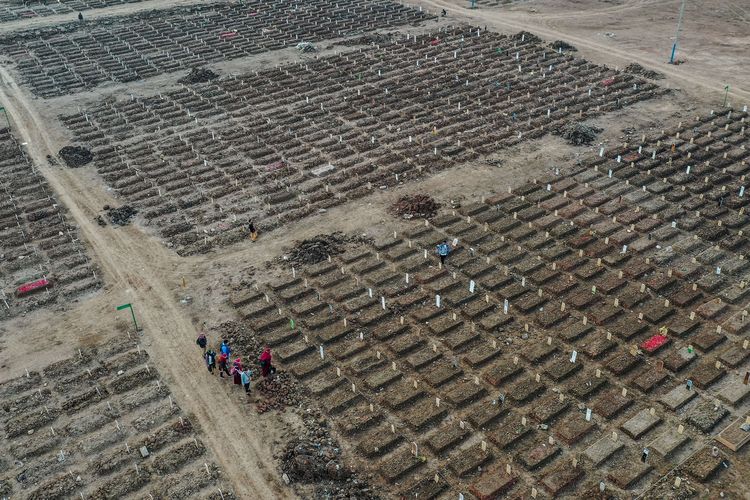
198 75
76 156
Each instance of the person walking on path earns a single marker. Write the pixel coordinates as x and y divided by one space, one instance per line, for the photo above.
266 366
225 349
223 368
202 342
80 16
210 361
253 231
443 249
246 376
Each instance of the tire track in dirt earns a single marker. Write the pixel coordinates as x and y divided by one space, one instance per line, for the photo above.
228 429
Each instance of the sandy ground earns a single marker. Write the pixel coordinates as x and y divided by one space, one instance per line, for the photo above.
140 270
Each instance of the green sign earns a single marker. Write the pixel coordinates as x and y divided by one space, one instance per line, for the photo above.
132 313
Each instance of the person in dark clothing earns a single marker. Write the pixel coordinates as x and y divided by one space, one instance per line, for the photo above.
211 361
253 231
202 342
443 13
80 16
265 359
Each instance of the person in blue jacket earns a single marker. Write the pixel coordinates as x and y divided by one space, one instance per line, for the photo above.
443 249
225 349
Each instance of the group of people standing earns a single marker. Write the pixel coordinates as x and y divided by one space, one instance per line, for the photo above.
240 375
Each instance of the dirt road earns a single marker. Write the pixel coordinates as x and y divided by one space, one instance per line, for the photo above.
139 270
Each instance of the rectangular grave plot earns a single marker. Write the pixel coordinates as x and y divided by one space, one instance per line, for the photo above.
480 355
595 346
401 395
560 477
510 432
422 358
703 465
324 383
333 332
706 339
291 352
573 428
382 378
341 399
389 330
398 464
611 403
620 363
440 372
549 407
561 368
550 316
648 378
405 344
627 327
425 488
461 340
494 323
477 309
734 392
681 325
484 413
358 419
668 443
446 437
493 483
378 442
525 390
678 359
468 461
585 385
347 349
603 313
501 372
444 324
537 454
627 476
423 414
575 331
538 352
640 423
367 363
733 437
463 393
734 355
706 415
678 397
307 367
603 449
280 336
706 374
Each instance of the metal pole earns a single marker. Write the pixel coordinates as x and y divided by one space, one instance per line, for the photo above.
677 32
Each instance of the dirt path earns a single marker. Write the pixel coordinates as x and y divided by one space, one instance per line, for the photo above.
542 25
142 269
